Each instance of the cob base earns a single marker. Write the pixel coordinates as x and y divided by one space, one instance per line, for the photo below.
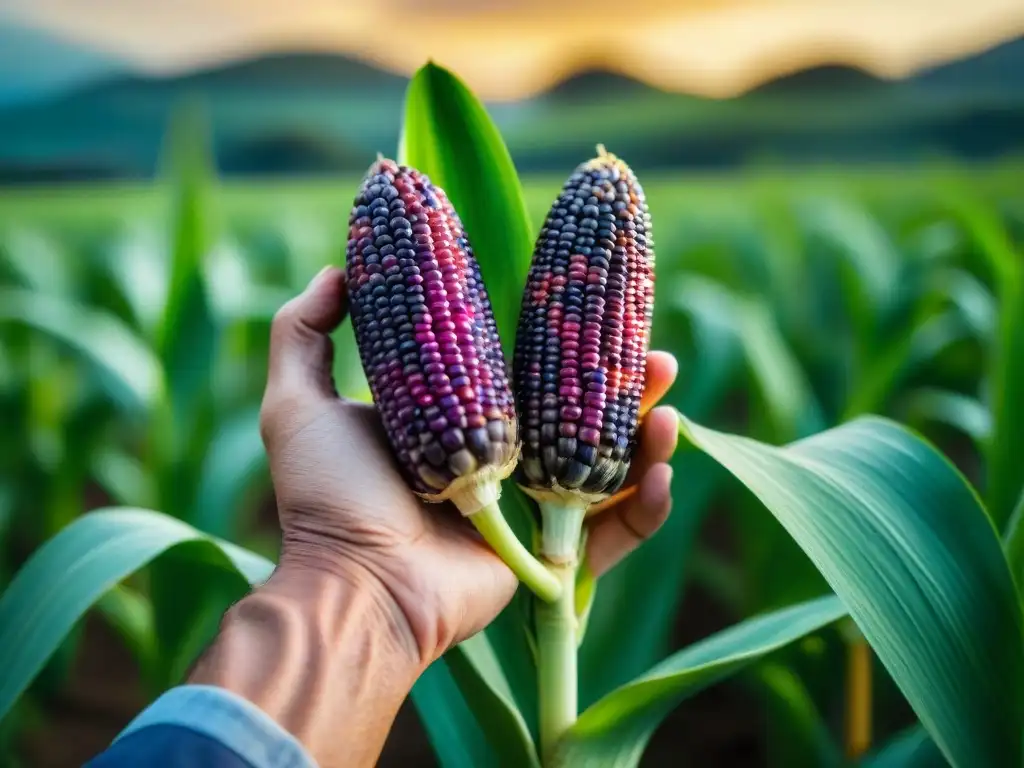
476 491
562 513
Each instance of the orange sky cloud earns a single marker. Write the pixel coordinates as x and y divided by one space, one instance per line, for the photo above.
507 49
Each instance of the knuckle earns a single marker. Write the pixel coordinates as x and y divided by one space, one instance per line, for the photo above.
281 414
266 422
285 319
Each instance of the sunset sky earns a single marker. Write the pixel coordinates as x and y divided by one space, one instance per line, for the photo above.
508 49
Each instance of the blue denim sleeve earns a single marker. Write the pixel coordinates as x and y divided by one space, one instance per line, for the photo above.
198 726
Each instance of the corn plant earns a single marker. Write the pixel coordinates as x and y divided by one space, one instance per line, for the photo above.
903 548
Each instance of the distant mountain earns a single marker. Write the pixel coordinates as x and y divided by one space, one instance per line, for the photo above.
826 78
35 65
593 84
307 113
252 105
268 73
1001 67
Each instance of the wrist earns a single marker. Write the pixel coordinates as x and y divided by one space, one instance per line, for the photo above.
323 654
342 601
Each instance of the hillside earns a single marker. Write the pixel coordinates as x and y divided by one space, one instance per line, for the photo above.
36 65
299 112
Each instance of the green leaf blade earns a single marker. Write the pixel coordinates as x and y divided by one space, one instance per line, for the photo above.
128 368
906 544
73 570
448 135
615 730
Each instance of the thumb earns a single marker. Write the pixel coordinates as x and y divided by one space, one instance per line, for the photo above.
301 351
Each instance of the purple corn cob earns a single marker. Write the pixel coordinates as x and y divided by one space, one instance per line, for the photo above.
583 335
427 337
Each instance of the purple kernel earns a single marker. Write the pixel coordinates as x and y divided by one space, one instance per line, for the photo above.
590 436
571 412
453 439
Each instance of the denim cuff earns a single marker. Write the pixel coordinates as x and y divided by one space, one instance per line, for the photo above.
235 722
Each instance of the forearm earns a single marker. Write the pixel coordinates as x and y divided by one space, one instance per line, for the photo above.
324 655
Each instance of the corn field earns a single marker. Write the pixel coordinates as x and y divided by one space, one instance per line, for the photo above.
847 488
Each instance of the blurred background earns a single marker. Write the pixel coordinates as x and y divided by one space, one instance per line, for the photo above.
837 193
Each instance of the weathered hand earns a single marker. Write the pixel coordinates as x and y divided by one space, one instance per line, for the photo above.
346 510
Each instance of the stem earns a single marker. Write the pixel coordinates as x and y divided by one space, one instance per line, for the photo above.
496 532
556 663
562 522
858 697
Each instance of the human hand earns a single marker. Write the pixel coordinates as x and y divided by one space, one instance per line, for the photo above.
346 510
373 584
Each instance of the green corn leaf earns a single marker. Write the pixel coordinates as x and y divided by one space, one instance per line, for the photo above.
137 263
189 607
788 398
126 367
131 614
510 635
448 135
39 264
910 749
1005 472
797 734
1013 543
903 540
866 250
485 688
74 569
1005 469
613 732
189 329
586 591
234 460
643 592
451 726
915 345
953 409
123 477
